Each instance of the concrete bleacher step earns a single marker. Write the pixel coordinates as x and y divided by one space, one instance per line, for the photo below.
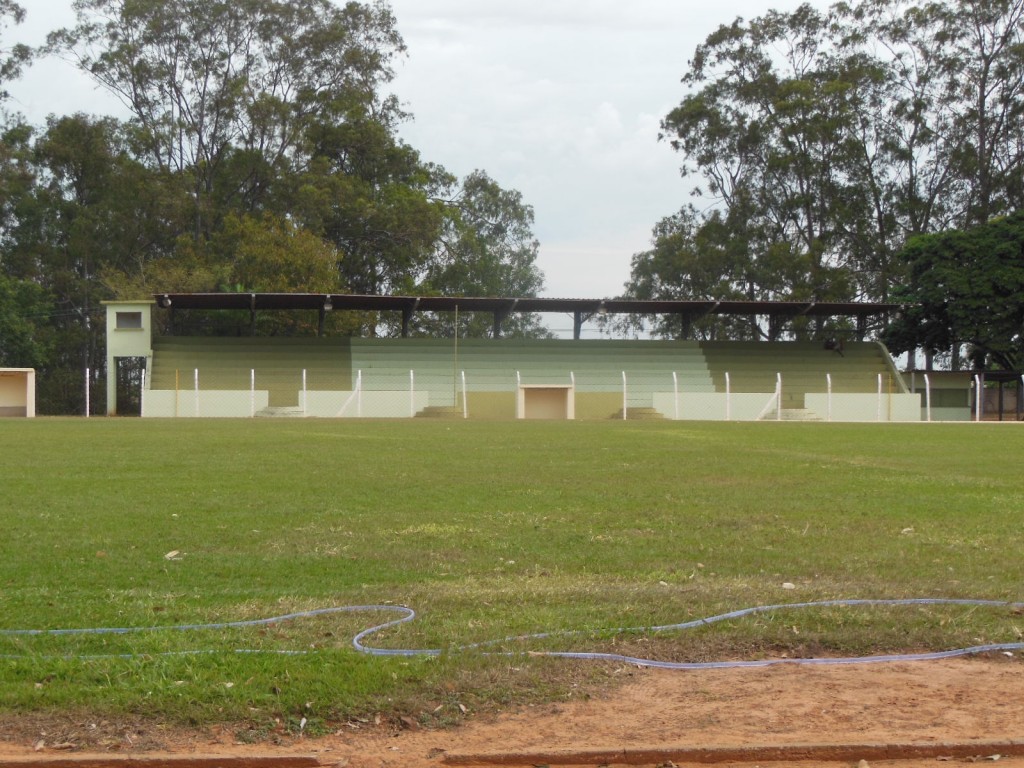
281 411
640 414
800 414
441 412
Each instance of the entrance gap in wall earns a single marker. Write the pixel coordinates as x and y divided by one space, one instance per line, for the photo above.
546 402
129 385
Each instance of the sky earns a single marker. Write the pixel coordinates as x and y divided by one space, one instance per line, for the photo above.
558 99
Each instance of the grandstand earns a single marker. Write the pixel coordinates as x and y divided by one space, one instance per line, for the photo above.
514 378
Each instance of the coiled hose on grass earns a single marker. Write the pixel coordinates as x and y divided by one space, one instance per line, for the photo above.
408 614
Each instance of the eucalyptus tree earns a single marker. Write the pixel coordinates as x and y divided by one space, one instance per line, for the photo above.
956 76
372 196
13 56
777 127
223 91
80 209
24 310
486 248
827 138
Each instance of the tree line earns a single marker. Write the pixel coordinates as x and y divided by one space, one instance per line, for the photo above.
259 152
824 144
871 151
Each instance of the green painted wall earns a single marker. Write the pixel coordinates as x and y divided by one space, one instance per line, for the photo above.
492 370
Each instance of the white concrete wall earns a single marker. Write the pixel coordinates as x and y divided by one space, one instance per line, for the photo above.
237 403
948 414
748 406
712 406
371 405
165 403
865 407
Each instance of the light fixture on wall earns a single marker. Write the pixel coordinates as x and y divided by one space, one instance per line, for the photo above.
165 302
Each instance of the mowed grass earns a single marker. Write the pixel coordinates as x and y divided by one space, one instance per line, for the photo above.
487 530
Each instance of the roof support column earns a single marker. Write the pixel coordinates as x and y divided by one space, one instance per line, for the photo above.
862 327
577 324
501 314
407 316
685 326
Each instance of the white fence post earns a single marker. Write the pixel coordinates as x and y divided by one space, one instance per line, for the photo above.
195 378
778 397
520 398
572 396
878 416
305 393
675 393
359 394
624 397
142 395
252 392
978 400
828 380
412 393
465 407
728 398
88 393
927 398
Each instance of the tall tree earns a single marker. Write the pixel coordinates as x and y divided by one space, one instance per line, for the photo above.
81 207
775 125
12 56
261 153
826 139
966 287
213 81
370 195
487 248
956 71
25 337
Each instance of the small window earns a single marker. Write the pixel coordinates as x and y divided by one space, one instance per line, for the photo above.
129 321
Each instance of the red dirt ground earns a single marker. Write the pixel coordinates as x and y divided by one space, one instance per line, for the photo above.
967 710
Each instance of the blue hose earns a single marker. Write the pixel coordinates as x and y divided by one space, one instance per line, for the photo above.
408 614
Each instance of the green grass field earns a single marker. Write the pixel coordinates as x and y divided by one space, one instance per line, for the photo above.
487 530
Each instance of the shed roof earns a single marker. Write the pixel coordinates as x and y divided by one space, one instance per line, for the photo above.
501 307
343 301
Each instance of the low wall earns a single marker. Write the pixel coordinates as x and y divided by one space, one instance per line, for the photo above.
243 403
948 414
712 406
742 406
865 407
397 404
368 405
211 403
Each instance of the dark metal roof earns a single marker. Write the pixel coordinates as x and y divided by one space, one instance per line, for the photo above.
341 301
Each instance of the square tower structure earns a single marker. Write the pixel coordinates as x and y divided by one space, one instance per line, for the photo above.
129 334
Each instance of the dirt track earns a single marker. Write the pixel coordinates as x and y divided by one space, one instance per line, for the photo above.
926 712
